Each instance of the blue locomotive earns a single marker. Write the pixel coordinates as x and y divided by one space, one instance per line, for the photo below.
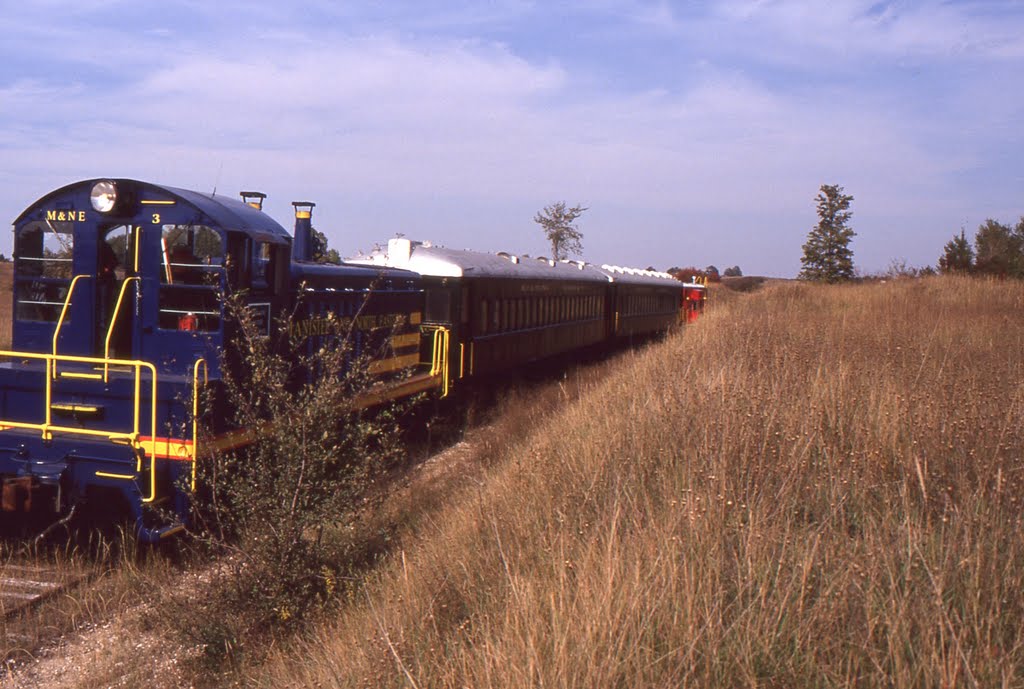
119 324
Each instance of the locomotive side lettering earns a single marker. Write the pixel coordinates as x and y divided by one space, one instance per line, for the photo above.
65 216
327 325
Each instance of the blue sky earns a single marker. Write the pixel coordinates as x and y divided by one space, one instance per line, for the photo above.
695 132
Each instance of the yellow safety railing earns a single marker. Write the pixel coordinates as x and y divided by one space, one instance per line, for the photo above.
200 363
439 359
132 438
64 313
138 243
113 324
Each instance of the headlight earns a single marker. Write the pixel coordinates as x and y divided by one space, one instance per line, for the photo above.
103 196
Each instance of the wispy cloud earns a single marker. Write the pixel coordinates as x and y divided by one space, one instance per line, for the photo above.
847 29
721 119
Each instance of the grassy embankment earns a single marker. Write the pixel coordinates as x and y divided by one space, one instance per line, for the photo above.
812 487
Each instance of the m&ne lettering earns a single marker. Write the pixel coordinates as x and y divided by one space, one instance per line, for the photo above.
65 216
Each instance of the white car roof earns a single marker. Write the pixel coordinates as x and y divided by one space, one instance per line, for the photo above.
436 261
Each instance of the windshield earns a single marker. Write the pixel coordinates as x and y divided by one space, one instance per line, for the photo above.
43 252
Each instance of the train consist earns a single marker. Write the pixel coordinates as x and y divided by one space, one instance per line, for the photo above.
119 324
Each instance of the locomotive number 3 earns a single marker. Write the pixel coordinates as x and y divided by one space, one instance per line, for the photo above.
156 218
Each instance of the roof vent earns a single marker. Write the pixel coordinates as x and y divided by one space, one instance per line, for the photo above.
399 251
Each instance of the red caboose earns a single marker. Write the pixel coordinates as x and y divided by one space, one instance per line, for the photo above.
694 295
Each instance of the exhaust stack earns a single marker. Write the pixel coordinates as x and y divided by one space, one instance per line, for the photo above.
302 246
253 198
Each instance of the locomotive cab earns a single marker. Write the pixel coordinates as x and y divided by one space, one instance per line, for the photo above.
118 320
126 270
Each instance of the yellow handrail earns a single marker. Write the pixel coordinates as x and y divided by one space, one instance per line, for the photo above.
439 360
138 241
63 313
113 322
47 428
433 355
48 417
195 413
444 354
152 425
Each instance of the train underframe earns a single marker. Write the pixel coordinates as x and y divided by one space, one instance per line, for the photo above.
102 482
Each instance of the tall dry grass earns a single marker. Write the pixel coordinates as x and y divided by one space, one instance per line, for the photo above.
812 487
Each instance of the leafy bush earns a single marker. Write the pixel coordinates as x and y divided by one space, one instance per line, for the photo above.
690 273
274 508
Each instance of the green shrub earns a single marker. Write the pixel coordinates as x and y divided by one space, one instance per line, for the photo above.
272 512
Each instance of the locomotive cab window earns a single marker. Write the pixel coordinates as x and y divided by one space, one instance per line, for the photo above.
117 252
262 265
117 258
192 268
43 253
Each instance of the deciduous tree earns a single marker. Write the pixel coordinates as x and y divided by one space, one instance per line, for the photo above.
565 237
998 249
321 252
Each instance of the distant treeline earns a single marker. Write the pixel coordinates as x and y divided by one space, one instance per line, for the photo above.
998 250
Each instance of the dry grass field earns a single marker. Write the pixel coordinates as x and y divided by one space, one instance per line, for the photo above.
812 487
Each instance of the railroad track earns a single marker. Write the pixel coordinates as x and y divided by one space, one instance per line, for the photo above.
24 586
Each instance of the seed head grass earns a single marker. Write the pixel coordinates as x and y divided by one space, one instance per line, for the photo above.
813 486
